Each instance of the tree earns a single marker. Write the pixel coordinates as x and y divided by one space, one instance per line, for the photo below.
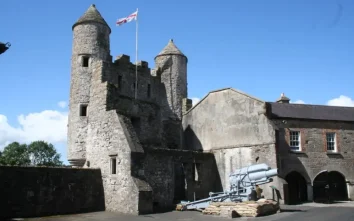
15 154
43 154
38 153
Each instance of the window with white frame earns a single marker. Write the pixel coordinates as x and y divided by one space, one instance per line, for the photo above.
294 140
331 142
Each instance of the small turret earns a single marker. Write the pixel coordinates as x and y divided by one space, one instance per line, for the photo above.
173 65
90 44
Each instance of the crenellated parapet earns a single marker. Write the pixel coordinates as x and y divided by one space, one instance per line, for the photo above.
124 60
123 75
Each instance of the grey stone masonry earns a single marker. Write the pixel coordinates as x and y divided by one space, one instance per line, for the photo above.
90 41
112 129
174 78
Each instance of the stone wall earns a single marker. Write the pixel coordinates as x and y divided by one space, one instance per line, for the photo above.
41 191
123 75
227 118
313 158
90 41
111 142
159 172
177 175
232 125
144 115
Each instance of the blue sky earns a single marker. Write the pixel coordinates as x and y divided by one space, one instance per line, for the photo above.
304 48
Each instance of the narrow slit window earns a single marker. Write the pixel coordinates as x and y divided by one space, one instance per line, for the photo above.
119 83
148 90
197 168
83 110
136 124
113 165
85 62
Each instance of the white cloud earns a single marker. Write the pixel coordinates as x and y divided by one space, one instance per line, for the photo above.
342 100
298 102
195 100
48 125
62 104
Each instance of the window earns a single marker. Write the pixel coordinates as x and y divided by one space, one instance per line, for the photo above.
331 142
136 124
149 90
83 110
294 140
119 83
113 165
85 62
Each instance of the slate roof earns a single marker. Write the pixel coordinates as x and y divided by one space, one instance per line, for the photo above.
170 49
91 15
310 112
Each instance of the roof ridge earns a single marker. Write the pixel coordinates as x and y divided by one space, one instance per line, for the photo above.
316 105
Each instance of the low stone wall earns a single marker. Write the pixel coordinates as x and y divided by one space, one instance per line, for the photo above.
45 191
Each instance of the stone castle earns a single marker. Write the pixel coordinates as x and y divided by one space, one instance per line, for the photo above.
132 140
155 149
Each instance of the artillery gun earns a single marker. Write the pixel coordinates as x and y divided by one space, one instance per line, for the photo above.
242 187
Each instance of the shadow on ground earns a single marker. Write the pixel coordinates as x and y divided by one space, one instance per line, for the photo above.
291 210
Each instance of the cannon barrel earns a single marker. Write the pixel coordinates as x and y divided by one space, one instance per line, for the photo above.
259 173
262 174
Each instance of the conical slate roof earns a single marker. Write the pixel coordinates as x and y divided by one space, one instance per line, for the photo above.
91 15
170 49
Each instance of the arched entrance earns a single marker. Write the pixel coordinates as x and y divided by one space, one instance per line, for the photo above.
297 188
329 187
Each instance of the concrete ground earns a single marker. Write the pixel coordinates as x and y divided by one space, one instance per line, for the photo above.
310 211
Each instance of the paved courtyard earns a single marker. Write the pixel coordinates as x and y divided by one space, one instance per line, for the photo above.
310 211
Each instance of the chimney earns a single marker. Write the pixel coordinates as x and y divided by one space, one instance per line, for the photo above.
283 99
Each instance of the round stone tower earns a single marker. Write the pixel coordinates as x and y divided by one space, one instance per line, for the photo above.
173 64
90 44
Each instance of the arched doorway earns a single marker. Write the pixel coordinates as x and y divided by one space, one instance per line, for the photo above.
329 187
297 188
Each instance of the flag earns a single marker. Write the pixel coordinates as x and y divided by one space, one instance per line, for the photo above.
130 18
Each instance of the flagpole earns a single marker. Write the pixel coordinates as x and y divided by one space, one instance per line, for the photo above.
136 55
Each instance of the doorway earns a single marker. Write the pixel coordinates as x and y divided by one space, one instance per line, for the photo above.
297 188
329 187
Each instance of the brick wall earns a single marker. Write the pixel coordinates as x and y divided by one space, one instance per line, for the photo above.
314 157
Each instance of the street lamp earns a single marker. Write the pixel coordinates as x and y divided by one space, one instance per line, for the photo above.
4 47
